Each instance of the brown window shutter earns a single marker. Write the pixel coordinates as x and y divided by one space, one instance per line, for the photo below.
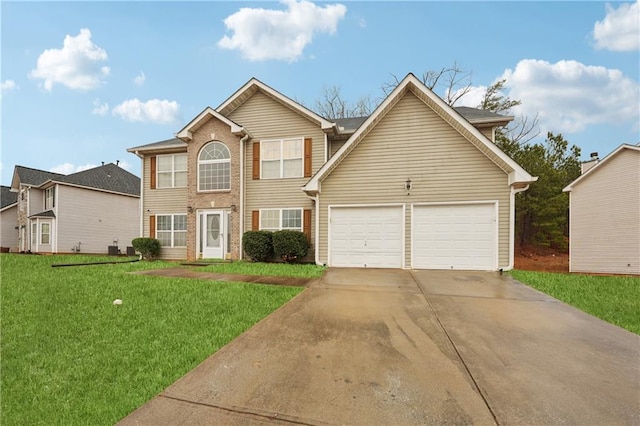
307 157
306 223
152 180
255 220
256 160
152 225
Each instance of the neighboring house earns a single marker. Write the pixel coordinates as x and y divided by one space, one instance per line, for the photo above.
8 219
85 212
418 184
604 214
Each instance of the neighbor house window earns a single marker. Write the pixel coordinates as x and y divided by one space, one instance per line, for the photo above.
172 171
214 167
282 158
279 219
49 198
45 233
34 234
171 230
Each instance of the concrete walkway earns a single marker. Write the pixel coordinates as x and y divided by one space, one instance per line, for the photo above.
413 347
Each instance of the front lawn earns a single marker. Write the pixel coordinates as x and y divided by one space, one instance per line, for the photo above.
269 269
70 356
613 299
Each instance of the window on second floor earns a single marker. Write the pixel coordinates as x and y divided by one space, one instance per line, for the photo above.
282 158
214 167
50 198
171 171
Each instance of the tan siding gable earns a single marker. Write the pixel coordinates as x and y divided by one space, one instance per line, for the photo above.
411 141
605 217
266 118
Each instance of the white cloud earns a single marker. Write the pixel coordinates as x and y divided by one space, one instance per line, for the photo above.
263 34
8 86
126 165
151 111
139 80
620 28
99 108
68 168
77 65
472 98
569 95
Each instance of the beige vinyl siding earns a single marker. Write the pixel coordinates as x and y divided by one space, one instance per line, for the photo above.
95 219
265 119
605 218
8 231
36 201
488 132
334 146
411 141
162 201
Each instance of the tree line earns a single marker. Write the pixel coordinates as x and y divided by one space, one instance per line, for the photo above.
542 212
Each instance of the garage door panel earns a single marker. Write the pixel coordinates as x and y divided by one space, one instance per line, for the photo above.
366 236
454 236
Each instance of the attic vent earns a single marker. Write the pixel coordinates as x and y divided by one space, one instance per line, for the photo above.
594 155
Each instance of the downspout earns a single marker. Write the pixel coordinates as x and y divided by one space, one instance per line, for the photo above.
316 233
512 225
141 203
241 227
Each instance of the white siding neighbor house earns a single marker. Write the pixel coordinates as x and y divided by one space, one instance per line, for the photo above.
604 215
417 184
8 220
84 212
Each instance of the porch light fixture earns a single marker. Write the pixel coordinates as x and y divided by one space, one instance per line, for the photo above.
190 209
407 185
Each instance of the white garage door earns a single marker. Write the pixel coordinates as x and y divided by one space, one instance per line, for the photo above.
369 237
454 236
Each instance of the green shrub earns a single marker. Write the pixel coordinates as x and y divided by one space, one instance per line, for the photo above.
148 247
258 245
291 246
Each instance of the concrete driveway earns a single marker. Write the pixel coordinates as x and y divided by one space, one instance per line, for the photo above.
371 346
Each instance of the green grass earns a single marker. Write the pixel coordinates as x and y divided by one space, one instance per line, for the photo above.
70 357
613 299
269 269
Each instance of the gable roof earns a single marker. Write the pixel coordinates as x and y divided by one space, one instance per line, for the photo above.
108 177
598 166
254 85
186 133
31 177
518 177
478 116
7 197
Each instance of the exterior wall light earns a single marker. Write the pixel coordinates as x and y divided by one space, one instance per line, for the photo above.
407 185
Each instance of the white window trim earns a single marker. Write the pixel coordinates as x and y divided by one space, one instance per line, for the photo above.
47 205
42 234
280 228
172 231
173 171
226 160
281 176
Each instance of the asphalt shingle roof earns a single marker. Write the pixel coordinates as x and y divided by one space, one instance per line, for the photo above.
108 177
475 114
35 177
7 197
169 143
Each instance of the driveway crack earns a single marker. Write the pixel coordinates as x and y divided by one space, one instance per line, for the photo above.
455 348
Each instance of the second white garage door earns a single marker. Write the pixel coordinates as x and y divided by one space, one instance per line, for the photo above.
454 236
369 237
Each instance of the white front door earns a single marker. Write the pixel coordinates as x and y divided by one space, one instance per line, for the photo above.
212 234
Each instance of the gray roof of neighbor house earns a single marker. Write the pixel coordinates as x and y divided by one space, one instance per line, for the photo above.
108 177
7 197
476 115
34 177
48 213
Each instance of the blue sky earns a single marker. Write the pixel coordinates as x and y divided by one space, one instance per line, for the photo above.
82 81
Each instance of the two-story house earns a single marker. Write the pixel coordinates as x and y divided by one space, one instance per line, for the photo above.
417 184
85 212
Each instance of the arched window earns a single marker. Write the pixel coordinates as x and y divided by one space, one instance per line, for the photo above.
214 167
